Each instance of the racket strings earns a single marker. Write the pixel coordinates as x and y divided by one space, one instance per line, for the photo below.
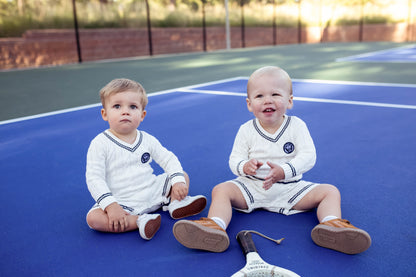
278 241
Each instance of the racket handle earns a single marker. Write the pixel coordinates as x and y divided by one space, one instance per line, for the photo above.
246 242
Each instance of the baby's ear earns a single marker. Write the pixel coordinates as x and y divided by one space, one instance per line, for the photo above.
143 115
248 105
290 102
104 114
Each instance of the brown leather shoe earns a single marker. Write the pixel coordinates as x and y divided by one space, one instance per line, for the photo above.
342 236
203 234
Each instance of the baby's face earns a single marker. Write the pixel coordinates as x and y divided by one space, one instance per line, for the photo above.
269 97
124 112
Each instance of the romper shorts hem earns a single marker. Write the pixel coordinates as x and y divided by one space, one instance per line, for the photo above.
160 197
280 198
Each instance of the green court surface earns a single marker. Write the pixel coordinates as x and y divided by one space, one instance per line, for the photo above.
35 91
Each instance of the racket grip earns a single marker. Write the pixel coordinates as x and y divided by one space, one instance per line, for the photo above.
246 242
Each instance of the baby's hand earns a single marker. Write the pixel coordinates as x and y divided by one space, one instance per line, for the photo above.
179 191
250 168
276 174
117 217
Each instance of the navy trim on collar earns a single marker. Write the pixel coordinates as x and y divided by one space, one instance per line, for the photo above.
131 149
278 135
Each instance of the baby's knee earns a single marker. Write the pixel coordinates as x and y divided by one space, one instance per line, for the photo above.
217 190
332 190
91 221
221 189
94 222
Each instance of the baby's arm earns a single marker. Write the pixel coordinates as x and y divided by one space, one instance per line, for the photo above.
303 160
95 175
239 161
305 157
171 165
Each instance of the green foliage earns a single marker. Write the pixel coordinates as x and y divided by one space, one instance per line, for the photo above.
17 16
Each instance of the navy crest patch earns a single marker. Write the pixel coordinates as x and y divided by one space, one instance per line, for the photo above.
145 157
288 147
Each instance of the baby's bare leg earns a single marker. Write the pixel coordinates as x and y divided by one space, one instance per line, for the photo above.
98 220
326 198
225 196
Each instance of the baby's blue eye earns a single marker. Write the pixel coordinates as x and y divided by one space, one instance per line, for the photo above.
116 106
133 107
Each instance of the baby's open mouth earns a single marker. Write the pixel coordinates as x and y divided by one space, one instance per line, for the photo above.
269 110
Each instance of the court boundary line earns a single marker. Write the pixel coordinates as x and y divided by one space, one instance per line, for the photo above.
312 99
85 107
191 89
368 54
355 83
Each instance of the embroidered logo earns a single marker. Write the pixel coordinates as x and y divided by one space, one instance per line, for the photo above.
288 147
145 157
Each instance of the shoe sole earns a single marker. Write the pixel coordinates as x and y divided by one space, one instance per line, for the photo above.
197 236
152 226
345 240
193 208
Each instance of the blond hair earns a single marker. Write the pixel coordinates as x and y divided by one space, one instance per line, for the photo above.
270 70
123 85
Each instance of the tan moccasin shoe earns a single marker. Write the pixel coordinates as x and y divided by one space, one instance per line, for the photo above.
203 234
342 236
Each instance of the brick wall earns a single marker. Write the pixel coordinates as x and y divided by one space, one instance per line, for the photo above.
55 47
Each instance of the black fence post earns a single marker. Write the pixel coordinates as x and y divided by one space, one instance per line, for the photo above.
409 21
361 25
149 28
74 9
299 21
204 31
274 23
243 39
321 30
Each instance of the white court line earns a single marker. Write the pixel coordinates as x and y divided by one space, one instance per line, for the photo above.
309 99
49 114
369 54
354 83
99 104
360 103
70 110
190 89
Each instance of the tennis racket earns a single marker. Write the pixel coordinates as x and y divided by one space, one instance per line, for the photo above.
255 265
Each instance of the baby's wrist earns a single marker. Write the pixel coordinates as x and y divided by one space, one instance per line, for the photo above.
241 168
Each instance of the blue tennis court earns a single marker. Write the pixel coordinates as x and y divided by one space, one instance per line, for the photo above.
365 138
405 54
